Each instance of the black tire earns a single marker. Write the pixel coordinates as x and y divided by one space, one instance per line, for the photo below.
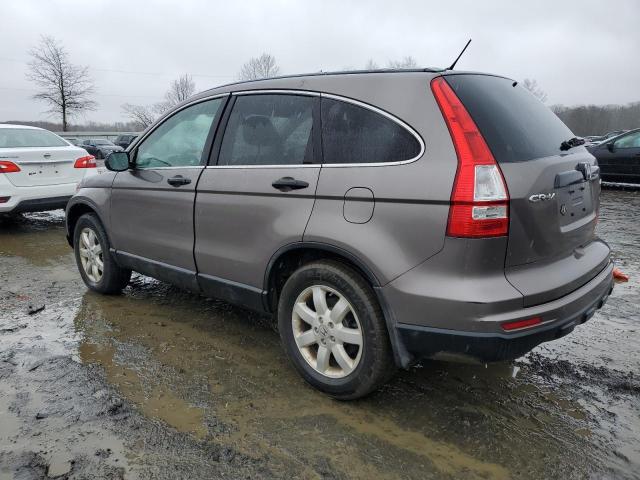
114 278
376 364
99 155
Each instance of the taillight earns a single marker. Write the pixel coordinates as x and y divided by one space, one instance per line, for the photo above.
85 162
479 200
8 167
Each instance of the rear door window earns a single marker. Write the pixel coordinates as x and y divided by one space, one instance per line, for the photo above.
269 129
516 125
26 137
355 134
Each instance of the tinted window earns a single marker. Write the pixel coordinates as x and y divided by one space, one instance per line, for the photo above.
628 141
354 134
18 137
515 124
180 140
269 130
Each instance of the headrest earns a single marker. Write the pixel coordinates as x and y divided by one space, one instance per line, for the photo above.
258 130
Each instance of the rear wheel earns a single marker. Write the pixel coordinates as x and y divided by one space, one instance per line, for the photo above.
97 266
333 330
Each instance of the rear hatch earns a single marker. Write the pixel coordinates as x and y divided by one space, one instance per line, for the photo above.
43 157
553 193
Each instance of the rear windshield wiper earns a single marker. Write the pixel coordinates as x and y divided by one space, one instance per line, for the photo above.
572 142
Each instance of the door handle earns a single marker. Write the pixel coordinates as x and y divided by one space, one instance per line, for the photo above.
178 180
47 155
286 184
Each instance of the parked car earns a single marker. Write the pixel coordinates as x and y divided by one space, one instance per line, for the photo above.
100 148
73 141
125 140
38 169
619 157
381 217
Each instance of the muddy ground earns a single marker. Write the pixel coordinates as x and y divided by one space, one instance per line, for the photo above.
159 383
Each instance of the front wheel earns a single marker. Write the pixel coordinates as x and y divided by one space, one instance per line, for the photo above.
95 262
333 330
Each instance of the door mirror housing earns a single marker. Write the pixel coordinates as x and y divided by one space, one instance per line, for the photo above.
610 147
117 161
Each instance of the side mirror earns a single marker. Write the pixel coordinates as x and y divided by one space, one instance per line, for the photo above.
117 161
610 147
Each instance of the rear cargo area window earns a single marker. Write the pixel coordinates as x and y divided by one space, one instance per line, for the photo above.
516 125
354 134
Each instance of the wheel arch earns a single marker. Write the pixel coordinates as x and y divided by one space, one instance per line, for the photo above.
75 210
290 257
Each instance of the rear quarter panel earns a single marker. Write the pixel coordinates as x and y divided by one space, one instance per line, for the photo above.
410 208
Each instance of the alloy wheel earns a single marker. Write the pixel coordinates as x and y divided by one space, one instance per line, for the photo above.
327 331
91 255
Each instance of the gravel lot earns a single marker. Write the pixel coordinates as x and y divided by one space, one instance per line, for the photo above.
160 383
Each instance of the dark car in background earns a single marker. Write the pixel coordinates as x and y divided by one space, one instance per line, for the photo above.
73 140
125 140
100 148
619 157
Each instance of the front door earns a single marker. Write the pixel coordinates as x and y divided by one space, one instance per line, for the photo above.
259 194
152 204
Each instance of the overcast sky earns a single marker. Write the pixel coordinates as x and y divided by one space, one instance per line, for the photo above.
579 51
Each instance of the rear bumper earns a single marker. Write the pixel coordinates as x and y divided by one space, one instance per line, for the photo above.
469 328
425 342
34 199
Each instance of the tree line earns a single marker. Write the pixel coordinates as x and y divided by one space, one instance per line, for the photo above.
67 89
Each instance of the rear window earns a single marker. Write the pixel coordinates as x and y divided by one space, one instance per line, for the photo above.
354 134
26 137
515 124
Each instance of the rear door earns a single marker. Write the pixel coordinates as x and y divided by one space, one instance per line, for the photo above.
553 192
257 196
43 157
152 204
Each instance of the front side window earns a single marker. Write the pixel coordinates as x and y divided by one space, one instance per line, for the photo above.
269 129
354 134
629 141
180 140
27 137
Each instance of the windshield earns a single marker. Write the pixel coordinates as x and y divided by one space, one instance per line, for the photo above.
27 137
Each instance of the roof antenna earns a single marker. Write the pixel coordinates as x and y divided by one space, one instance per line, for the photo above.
456 60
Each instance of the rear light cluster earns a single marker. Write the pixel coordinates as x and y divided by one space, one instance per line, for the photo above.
8 167
88 161
479 200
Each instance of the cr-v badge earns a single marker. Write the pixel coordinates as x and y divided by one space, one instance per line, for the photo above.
541 197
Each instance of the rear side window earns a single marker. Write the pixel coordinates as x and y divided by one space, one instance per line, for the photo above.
515 124
354 134
26 137
269 129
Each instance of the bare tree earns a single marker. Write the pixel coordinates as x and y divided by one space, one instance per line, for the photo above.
371 65
179 90
263 66
532 85
140 114
406 62
65 87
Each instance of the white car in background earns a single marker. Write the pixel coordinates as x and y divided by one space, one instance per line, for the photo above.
38 169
